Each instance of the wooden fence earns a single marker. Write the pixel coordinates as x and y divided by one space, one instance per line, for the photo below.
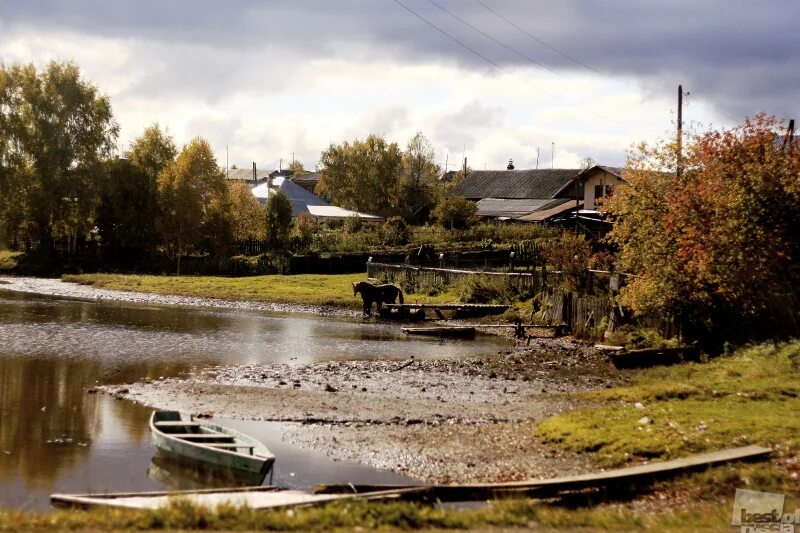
582 314
418 276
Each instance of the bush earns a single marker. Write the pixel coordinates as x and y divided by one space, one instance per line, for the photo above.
456 213
395 231
487 289
353 224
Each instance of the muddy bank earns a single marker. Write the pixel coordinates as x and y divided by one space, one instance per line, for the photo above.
439 420
63 289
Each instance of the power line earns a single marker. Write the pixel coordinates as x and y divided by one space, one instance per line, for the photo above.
543 43
513 50
499 67
443 32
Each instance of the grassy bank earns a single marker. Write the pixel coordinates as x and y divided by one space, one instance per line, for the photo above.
386 516
749 397
8 260
306 289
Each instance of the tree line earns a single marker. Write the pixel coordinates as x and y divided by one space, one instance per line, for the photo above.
61 180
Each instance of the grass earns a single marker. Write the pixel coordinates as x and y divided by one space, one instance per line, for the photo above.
367 515
307 289
749 397
8 260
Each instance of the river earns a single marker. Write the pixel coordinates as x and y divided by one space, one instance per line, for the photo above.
57 437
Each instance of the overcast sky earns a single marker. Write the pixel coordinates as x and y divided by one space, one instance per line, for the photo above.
272 78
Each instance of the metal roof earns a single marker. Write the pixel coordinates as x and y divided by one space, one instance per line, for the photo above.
556 208
304 201
246 174
538 184
504 207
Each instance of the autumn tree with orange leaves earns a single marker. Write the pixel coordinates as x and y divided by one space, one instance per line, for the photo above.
715 240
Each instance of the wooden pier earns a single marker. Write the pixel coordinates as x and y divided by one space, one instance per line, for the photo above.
417 311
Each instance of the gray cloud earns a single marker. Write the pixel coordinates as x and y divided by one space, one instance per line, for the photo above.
737 55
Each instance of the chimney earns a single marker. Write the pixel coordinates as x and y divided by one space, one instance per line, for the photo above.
510 165
255 176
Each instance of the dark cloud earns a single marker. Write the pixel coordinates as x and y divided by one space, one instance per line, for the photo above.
734 54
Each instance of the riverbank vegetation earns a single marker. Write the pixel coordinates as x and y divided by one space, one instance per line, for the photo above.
751 396
397 516
303 289
712 237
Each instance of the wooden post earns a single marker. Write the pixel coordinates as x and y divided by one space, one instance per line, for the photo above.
680 131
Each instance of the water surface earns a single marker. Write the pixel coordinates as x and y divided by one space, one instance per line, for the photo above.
54 437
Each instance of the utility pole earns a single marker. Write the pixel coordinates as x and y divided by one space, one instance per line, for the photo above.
465 167
446 161
680 131
537 158
553 155
789 134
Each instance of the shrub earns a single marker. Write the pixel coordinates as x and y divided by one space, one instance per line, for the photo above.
395 231
487 289
456 213
353 224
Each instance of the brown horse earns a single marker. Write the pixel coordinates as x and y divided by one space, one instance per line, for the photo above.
379 294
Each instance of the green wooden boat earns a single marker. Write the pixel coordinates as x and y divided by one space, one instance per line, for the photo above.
212 445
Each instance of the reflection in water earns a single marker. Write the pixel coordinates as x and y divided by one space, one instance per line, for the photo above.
55 437
180 474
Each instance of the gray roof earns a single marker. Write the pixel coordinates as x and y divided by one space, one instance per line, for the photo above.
539 184
617 171
308 177
304 201
504 207
246 174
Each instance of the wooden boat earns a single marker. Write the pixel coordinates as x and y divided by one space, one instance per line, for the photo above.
176 474
455 332
253 497
183 437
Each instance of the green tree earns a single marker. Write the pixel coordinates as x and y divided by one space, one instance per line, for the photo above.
420 184
126 210
297 169
55 131
152 152
395 231
128 200
195 203
362 175
456 213
279 219
303 231
717 238
248 215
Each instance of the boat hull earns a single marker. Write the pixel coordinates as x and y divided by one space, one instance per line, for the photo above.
258 462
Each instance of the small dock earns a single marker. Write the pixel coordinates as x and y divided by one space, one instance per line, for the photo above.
418 311
452 332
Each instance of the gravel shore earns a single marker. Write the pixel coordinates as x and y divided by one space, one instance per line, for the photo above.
446 420
438 420
63 289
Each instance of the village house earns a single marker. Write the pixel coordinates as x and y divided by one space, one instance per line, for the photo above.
537 195
264 183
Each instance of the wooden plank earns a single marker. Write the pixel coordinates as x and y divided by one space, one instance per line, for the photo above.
640 474
446 306
170 423
199 436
